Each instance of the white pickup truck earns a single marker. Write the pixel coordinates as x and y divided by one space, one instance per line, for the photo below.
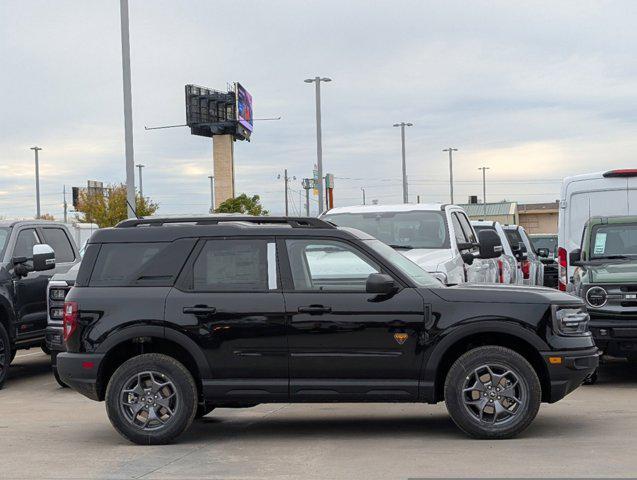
437 237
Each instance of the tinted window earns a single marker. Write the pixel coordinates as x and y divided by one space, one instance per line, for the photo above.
56 238
25 242
416 229
4 236
328 265
232 265
120 264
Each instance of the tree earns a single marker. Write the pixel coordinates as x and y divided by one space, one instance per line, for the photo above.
243 204
109 209
47 216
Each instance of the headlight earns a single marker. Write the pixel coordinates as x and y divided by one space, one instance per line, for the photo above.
596 297
440 276
570 320
56 313
57 294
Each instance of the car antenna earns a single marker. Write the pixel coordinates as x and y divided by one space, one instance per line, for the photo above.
133 209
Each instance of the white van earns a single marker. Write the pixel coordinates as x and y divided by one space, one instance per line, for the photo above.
437 237
585 196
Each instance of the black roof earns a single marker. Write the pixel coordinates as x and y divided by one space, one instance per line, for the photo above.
167 229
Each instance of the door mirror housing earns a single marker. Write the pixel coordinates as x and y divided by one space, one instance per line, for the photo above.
43 257
575 257
490 244
380 284
543 252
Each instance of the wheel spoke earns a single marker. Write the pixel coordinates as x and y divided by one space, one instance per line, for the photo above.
148 400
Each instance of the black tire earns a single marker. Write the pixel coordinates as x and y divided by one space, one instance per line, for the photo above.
592 378
58 379
45 348
143 367
203 410
521 381
6 354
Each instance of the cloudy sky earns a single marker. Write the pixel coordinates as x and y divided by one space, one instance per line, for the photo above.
534 90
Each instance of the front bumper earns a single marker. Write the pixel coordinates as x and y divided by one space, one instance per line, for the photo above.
571 371
615 337
80 372
53 337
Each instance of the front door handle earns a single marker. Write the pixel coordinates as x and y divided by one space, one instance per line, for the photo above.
199 310
315 309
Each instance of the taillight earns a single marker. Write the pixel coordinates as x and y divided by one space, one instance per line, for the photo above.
562 268
526 269
500 270
70 319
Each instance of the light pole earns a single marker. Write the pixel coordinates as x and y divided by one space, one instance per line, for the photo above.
450 150
484 188
212 193
128 109
319 140
402 126
141 183
307 183
363 190
37 181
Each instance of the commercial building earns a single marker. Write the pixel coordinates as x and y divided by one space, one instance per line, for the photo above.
534 217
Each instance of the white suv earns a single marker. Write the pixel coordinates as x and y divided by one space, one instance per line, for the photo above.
437 237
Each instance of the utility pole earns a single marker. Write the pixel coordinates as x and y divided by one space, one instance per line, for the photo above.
128 109
37 181
65 204
307 184
484 188
402 126
319 140
363 190
286 180
450 150
212 193
418 199
141 183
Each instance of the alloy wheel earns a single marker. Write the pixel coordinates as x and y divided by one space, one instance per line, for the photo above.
149 400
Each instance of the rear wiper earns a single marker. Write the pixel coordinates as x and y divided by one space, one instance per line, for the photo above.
405 247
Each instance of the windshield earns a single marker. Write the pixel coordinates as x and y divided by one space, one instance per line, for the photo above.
614 240
548 241
414 229
419 276
4 236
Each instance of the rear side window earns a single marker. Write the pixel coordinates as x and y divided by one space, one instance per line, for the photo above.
121 264
239 265
57 239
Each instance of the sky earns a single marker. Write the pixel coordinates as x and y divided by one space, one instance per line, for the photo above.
534 90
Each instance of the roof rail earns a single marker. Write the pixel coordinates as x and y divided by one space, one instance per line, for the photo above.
294 222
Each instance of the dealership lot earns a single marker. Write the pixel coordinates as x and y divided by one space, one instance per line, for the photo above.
48 432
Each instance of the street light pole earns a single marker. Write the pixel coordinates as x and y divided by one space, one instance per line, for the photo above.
141 183
363 190
37 181
450 150
484 188
128 110
319 140
212 193
307 184
402 126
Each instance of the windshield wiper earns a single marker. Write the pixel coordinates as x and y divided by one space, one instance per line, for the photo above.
612 257
405 247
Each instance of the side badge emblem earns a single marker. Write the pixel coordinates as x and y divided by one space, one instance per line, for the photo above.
401 338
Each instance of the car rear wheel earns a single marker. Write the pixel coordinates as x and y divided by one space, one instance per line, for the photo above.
492 392
151 399
6 356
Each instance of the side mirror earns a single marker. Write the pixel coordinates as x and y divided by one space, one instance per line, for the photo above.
381 284
543 252
43 257
575 257
490 244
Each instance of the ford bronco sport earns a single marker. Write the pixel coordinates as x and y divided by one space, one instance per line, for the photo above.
170 318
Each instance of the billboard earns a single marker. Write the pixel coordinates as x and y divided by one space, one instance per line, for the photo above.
244 107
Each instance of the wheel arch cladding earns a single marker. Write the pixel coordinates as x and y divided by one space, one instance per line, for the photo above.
440 365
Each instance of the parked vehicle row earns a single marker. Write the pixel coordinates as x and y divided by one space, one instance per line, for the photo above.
170 318
546 247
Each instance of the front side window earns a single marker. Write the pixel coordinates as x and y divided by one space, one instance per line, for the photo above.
614 240
466 226
242 265
25 242
328 265
457 229
57 239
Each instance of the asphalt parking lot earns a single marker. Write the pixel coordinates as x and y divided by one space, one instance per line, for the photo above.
49 432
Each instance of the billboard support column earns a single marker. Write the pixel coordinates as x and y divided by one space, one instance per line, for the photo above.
223 166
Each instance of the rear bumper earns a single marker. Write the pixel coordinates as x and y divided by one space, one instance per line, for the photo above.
570 373
615 337
80 372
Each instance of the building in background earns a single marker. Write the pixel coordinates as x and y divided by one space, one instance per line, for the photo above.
503 212
539 217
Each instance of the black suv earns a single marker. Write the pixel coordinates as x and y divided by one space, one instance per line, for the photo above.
170 318
28 253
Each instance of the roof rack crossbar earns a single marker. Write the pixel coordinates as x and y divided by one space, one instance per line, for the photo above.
294 222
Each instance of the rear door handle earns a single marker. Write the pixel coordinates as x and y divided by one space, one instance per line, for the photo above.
200 310
315 309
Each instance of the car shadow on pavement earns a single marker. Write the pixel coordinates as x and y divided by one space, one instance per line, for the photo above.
614 371
28 364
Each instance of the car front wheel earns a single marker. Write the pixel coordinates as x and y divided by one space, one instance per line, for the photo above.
6 355
492 392
151 399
